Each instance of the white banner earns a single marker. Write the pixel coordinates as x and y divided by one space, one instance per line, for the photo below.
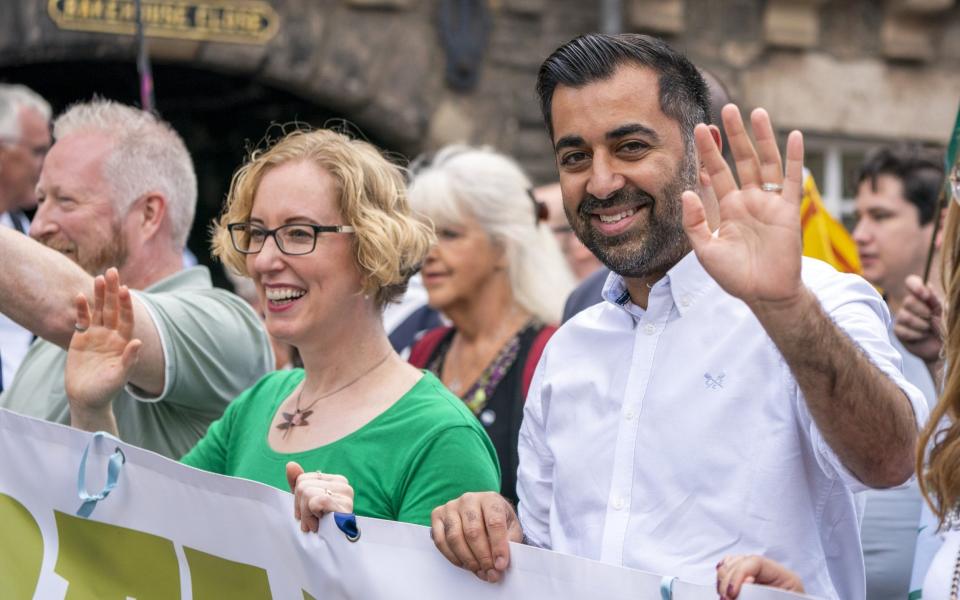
170 531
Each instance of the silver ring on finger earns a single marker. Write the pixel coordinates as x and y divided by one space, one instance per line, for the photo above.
327 491
771 187
78 328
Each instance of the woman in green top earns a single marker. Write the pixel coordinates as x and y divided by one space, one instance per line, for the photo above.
320 222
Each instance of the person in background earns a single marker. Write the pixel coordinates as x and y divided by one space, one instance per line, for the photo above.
896 202
24 142
498 274
320 222
582 262
118 189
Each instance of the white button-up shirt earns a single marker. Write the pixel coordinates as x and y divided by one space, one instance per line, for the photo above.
663 439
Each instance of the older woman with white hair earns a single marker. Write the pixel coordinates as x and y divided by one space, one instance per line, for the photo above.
499 276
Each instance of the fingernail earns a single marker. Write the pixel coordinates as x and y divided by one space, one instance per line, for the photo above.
491 575
481 575
500 563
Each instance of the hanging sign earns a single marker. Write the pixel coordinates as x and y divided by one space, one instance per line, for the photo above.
241 21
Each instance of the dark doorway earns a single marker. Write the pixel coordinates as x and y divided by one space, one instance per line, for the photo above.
220 117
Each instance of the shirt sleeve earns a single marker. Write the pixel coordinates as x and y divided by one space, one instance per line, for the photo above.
455 461
535 473
213 344
860 312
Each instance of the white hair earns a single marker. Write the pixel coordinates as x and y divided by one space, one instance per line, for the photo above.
13 99
148 156
462 182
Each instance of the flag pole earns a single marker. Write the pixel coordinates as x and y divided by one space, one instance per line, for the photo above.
951 181
143 65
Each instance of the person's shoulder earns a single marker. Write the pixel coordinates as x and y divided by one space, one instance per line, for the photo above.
205 296
600 317
587 293
435 404
189 300
833 287
845 295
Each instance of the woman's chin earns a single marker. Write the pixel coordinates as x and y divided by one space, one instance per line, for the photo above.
282 333
440 303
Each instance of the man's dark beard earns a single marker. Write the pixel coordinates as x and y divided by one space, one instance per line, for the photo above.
653 250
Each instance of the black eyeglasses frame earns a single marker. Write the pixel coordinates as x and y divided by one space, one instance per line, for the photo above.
317 230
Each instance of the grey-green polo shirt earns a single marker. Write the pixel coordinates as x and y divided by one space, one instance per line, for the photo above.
214 346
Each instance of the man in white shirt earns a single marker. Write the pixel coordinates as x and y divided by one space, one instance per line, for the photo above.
727 400
24 141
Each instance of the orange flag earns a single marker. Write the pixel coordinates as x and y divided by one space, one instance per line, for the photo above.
823 236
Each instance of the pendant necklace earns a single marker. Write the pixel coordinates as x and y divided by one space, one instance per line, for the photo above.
299 416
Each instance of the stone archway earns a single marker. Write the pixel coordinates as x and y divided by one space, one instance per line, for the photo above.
221 117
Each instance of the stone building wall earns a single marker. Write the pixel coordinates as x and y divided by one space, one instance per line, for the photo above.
869 70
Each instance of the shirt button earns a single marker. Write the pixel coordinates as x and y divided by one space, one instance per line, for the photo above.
629 415
685 301
617 503
649 329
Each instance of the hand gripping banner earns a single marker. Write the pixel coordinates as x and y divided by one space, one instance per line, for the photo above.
161 530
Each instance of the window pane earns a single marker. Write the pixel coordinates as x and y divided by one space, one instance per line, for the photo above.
852 159
813 160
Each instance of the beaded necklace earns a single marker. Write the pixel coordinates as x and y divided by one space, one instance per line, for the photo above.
478 394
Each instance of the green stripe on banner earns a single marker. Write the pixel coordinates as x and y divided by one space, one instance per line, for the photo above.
915 595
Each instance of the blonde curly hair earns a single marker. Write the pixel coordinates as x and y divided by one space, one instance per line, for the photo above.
390 243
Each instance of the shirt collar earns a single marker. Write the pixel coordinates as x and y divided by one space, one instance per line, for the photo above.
687 281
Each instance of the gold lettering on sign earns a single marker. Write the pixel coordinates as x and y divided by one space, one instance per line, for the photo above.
239 21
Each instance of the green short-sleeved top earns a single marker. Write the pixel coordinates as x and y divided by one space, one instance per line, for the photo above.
423 451
214 347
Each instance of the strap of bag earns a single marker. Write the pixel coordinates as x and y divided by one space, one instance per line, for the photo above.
533 357
422 350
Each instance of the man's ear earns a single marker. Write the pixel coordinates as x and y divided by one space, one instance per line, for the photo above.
150 211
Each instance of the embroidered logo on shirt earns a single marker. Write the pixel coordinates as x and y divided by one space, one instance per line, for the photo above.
714 382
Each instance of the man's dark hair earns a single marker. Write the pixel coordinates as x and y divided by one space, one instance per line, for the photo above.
593 57
919 170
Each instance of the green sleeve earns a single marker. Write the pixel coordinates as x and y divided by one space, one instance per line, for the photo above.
456 461
210 453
